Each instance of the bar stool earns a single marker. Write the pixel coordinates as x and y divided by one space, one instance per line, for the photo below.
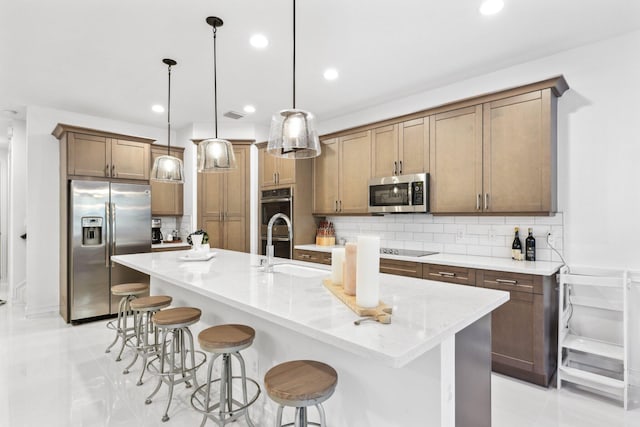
225 341
300 383
166 366
144 308
128 292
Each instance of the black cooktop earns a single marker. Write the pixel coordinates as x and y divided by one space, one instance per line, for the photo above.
405 252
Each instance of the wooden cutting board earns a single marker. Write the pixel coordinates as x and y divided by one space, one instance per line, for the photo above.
382 312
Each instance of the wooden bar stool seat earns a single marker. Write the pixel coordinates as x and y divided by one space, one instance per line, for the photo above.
147 341
128 292
225 341
175 362
299 384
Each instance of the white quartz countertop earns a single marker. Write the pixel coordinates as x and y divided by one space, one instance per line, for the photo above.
424 312
170 245
541 268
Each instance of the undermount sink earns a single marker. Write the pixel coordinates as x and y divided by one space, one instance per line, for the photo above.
299 270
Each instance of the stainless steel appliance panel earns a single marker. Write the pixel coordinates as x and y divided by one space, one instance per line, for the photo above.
399 194
89 269
273 202
130 213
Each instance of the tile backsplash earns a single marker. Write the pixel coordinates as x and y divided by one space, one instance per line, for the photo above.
468 235
180 223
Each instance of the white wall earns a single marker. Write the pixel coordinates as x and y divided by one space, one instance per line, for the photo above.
42 213
17 251
598 142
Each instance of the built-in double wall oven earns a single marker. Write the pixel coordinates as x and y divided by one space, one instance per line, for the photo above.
272 202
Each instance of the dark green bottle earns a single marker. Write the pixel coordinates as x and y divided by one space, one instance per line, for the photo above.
530 247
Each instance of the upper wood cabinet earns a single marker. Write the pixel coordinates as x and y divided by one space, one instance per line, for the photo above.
223 204
400 149
94 153
341 175
166 198
456 160
498 157
275 171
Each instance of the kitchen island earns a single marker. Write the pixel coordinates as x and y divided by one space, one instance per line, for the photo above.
430 366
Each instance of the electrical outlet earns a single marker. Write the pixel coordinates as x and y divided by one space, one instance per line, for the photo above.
550 239
492 233
460 233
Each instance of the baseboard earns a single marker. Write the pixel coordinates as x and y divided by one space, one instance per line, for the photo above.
40 311
634 377
17 293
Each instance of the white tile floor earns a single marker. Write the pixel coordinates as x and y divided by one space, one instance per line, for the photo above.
53 374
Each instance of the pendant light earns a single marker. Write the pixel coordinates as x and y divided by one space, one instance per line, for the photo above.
168 168
214 154
293 132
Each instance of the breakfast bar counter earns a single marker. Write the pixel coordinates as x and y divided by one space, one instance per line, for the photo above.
430 366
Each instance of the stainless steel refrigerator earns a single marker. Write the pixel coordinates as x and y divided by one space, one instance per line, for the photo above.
105 219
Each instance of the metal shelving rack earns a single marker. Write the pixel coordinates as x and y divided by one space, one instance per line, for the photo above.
598 365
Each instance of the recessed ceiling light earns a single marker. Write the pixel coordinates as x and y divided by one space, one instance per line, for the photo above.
491 7
331 74
259 41
249 109
158 108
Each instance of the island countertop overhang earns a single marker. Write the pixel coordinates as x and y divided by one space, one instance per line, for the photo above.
425 312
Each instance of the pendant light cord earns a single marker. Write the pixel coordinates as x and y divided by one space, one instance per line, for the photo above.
215 84
169 116
294 54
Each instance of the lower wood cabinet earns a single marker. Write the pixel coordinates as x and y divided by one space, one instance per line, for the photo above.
446 273
524 331
312 256
169 249
401 268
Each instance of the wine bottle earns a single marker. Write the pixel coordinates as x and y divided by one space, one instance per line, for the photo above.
516 247
530 246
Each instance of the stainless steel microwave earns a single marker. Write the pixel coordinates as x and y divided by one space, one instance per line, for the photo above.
399 194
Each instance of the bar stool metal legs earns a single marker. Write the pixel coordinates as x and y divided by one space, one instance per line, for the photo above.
124 332
225 342
177 357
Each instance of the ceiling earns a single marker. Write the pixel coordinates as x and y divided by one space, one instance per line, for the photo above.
104 58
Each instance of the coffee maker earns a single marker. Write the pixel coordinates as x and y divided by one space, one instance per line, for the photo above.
156 234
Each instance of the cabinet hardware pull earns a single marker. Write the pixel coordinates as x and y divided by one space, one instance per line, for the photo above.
340 205
486 201
510 282
336 206
478 201
107 232
275 181
113 171
106 170
277 177
400 167
395 168
446 274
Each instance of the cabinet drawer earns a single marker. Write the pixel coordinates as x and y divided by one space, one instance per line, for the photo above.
312 256
445 273
510 281
401 268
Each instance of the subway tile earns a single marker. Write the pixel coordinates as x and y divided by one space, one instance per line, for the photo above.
388 235
433 228
365 226
543 254
465 219
423 237
495 241
444 238
395 244
423 218
501 252
556 219
415 227
467 240
404 235
479 250
455 249
403 218
379 227
396 227
475 229
413 245
491 220
452 228
434 247
519 219
443 219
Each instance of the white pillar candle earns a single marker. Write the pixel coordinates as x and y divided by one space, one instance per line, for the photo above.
337 261
368 271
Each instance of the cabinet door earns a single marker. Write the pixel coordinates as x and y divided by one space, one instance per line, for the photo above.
446 273
401 268
456 161
517 155
413 147
325 178
166 198
267 169
88 155
129 160
235 204
355 172
286 172
210 206
384 151
213 226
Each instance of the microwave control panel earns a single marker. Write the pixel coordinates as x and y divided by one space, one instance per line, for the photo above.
417 193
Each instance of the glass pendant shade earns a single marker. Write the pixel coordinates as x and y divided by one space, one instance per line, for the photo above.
168 169
216 155
293 135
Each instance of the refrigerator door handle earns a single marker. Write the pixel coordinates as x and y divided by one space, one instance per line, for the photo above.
113 229
107 233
